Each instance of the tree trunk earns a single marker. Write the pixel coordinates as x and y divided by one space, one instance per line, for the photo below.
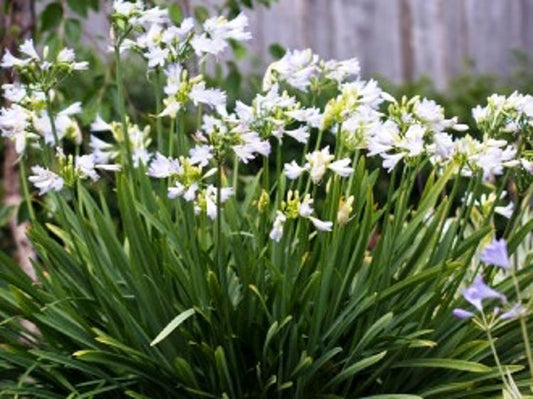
17 22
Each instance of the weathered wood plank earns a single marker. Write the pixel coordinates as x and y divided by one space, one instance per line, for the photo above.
398 39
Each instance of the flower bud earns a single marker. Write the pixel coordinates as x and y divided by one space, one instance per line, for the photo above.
263 201
345 208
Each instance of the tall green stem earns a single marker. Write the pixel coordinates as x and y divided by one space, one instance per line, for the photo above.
173 123
219 226
523 324
121 105
493 348
51 116
25 190
159 125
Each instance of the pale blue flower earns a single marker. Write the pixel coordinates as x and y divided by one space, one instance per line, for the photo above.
514 313
495 253
479 291
462 314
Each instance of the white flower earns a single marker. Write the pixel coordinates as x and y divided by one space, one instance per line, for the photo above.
340 70
527 165
320 224
72 109
46 180
190 193
220 27
300 134
505 211
29 49
203 44
201 155
162 167
126 8
293 170
13 120
140 155
312 116
153 16
252 145
215 98
296 68
492 158
14 92
306 207
217 31
318 162
10 61
101 150
66 55
172 107
341 167
429 111
99 125
85 167
443 145
480 114
277 229
383 137
156 56
175 34
414 140
211 198
176 191
391 160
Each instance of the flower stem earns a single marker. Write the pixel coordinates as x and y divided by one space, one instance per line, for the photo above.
173 123
51 117
493 347
523 324
121 105
159 125
219 226
25 190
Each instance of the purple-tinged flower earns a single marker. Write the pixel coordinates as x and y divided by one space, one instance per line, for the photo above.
479 291
495 253
462 314
514 313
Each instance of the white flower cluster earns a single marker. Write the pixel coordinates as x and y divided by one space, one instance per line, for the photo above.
179 90
317 164
303 70
70 169
295 207
505 114
65 60
188 179
105 152
26 119
163 43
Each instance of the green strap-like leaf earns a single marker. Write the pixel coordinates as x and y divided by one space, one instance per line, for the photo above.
175 323
453 364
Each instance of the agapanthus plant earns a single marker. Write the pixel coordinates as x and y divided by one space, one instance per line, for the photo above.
250 255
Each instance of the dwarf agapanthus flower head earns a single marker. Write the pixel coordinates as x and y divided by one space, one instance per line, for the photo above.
318 162
297 207
207 200
495 253
46 180
217 32
296 68
140 140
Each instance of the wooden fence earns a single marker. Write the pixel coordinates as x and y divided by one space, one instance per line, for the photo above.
399 39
